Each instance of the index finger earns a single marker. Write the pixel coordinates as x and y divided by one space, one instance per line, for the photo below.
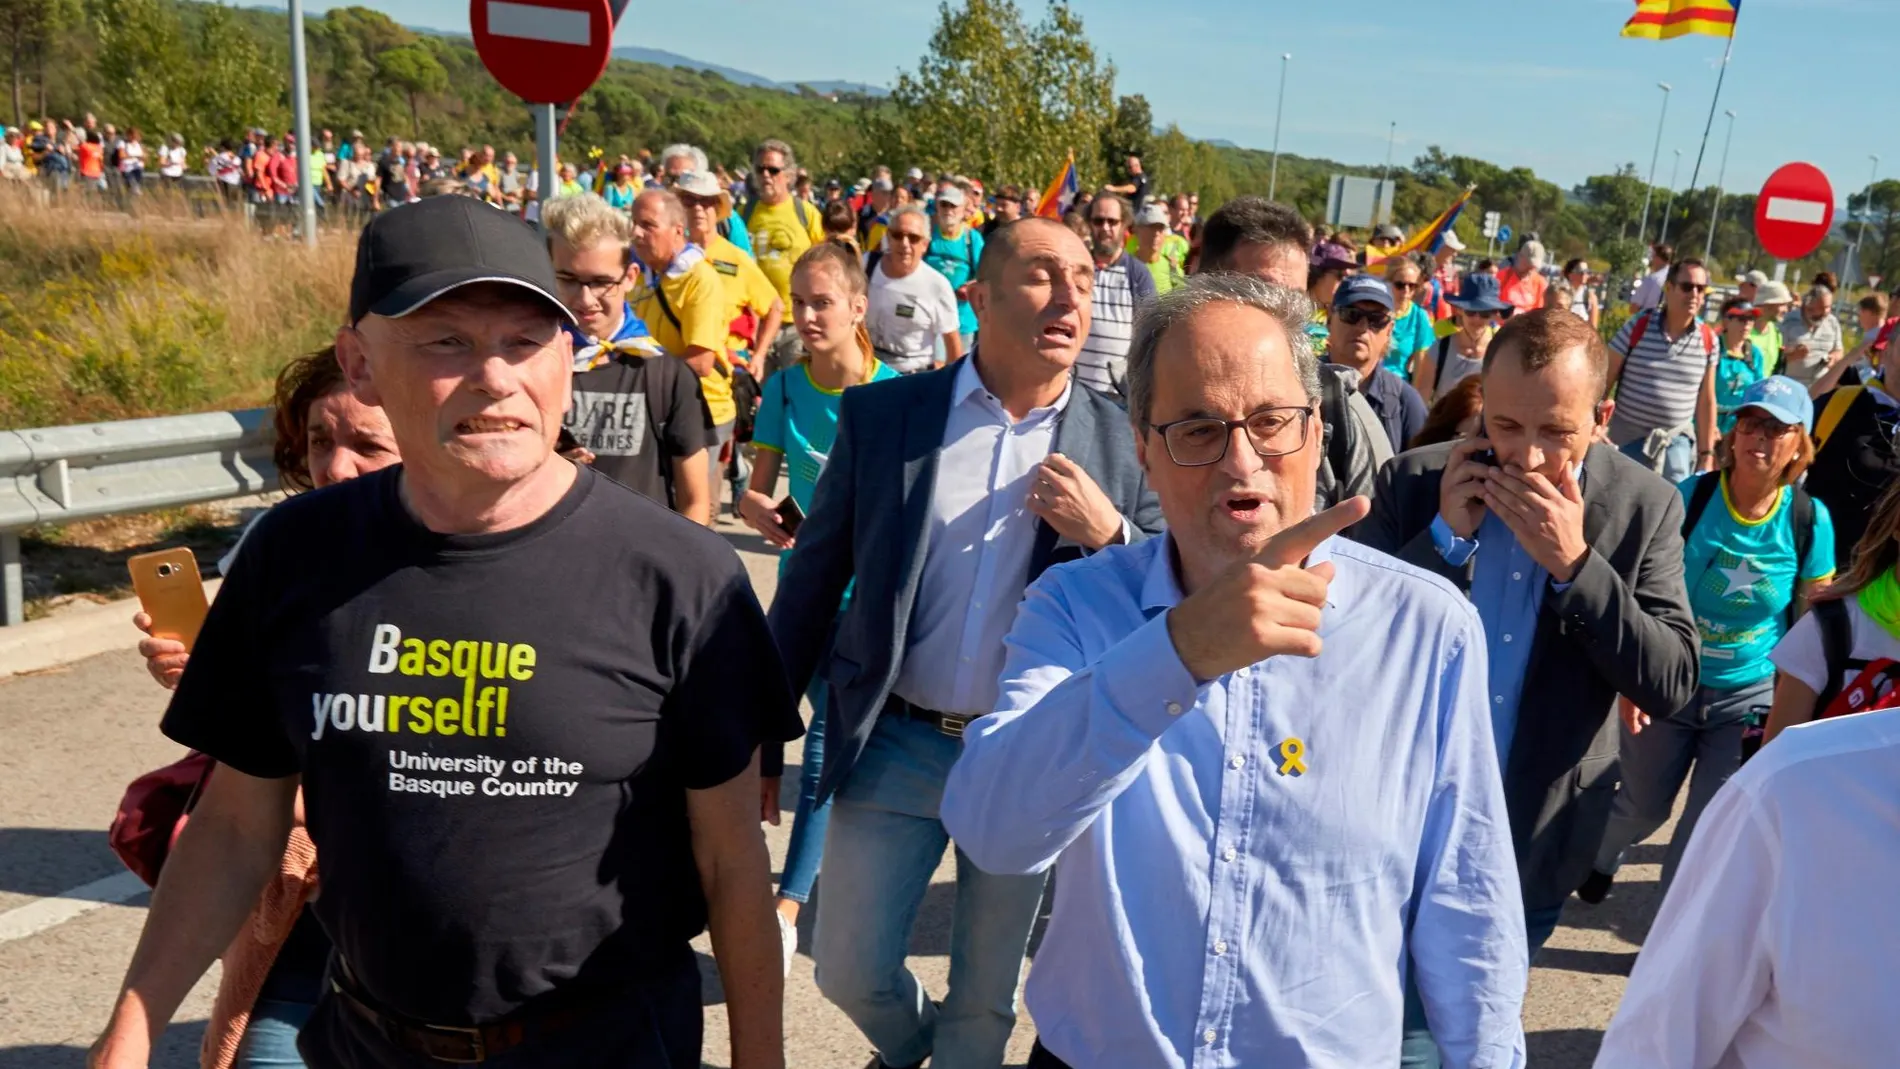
1466 448
1293 544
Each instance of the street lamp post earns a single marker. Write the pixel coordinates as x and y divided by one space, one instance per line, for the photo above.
1392 136
300 108
1649 184
1715 213
1866 209
1279 109
1675 172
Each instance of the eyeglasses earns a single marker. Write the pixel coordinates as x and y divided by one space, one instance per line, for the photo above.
1407 286
1105 222
1198 442
1734 318
1766 426
586 285
771 172
1373 320
1693 287
904 239
1505 313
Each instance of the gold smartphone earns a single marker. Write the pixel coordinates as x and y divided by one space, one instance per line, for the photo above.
171 593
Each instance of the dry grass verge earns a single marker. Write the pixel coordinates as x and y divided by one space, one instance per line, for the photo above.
109 316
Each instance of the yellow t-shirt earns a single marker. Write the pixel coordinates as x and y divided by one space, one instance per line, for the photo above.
697 298
746 287
778 241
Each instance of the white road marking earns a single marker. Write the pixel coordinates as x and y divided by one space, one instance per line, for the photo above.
555 25
57 909
1786 210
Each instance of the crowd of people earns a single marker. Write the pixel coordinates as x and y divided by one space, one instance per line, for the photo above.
1330 627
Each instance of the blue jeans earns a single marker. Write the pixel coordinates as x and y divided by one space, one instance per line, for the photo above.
811 817
1678 460
885 841
1417 1049
270 1039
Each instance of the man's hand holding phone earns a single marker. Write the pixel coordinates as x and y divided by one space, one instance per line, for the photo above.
1461 490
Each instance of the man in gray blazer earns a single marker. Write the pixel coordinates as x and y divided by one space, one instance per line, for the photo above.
1572 555
945 495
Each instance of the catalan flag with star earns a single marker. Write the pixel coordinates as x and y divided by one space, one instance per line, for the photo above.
1660 20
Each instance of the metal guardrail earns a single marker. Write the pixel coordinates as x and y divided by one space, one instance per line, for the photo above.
61 474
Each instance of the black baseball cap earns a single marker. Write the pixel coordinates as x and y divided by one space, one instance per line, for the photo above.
411 254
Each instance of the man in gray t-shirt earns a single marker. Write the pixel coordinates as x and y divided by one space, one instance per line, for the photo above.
1811 337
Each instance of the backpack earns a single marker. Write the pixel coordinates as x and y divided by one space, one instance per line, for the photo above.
798 207
1855 460
1801 512
1874 687
1641 327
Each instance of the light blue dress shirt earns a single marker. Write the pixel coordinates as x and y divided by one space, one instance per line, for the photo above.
1248 864
977 547
1507 587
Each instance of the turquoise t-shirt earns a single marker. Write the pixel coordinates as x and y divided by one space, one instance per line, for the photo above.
1741 578
799 419
620 198
1412 332
956 260
1733 377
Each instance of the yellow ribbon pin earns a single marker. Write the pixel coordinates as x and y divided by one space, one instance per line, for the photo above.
1292 754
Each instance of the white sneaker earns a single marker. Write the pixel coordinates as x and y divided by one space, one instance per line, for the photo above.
788 938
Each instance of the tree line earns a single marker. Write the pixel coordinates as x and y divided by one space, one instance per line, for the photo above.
995 95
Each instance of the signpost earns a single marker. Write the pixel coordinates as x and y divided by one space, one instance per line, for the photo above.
1794 212
546 52
1492 220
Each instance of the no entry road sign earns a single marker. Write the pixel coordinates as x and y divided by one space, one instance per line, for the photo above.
544 51
1794 211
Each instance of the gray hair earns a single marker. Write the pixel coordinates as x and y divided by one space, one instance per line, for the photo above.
902 210
1290 308
773 144
693 153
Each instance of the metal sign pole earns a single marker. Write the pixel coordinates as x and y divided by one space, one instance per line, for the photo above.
544 151
300 103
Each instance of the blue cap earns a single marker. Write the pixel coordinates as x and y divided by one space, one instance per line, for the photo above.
1478 293
1781 397
1363 288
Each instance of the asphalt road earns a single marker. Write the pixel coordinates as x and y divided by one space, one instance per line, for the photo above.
71 738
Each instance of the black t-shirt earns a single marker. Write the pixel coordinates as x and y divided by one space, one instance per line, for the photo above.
637 415
496 733
1140 196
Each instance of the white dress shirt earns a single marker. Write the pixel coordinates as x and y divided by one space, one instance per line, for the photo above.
1776 946
977 548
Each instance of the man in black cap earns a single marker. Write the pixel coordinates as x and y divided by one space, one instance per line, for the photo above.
1359 325
505 686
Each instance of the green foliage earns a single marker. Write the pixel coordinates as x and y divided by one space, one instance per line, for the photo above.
997 98
1129 132
412 70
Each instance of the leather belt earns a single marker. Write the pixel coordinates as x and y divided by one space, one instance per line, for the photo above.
463 1044
951 724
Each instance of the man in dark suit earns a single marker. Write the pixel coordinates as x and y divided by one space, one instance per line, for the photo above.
1572 555
945 495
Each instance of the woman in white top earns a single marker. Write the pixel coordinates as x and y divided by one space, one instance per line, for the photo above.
1479 309
171 158
132 161
1808 687
1583 299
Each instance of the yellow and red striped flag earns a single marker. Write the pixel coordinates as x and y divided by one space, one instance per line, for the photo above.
1660 20
1426 240
1061 192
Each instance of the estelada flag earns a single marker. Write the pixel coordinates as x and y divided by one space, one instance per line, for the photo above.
1060 193
1659 20
1425 240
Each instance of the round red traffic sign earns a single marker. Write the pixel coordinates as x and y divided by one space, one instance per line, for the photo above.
543 51
1794 211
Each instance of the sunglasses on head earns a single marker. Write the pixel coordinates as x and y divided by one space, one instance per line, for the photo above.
1373 320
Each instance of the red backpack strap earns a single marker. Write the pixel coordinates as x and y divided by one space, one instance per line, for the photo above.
1709 344
1637 329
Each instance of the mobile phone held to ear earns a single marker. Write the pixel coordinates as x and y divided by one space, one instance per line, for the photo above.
1488 457
789 515
171 593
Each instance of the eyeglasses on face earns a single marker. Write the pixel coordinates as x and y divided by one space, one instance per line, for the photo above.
1102 222
1203 440
771 172
905 239
1693 287
573 284
1737 317
1766 426
1406 286
1373 320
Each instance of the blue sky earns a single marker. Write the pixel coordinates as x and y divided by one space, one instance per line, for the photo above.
1546 84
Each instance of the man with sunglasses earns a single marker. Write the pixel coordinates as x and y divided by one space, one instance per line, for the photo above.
1662 366
1122 286
1174 732
1360 326
954 250
781 227
1573 558
912 305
